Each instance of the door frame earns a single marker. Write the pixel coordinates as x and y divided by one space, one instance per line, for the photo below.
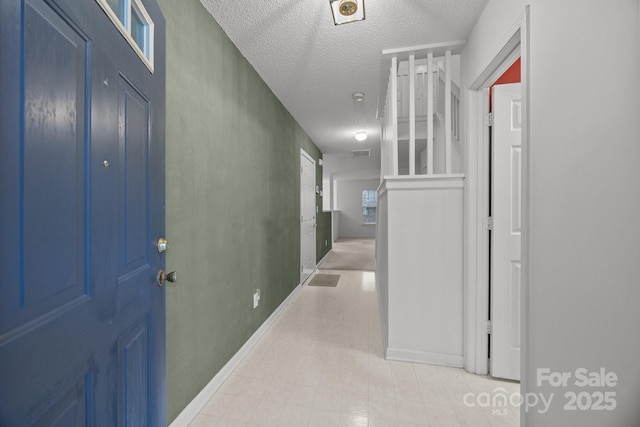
303 153
477 251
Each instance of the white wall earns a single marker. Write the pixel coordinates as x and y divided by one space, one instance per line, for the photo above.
584 183
349 197
585 199
488 36
335 225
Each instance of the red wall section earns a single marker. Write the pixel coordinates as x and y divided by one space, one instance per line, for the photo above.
512 75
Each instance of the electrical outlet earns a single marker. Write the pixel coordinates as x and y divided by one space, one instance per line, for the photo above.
256 298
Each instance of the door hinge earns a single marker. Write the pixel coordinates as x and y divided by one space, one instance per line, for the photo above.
489 223
302 269
488 119
487 327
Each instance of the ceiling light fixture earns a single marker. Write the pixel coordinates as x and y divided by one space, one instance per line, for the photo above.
358 96
345 11
361 136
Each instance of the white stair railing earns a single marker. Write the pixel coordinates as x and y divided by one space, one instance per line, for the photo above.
422 103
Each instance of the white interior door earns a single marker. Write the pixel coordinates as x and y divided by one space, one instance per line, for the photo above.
307 215
506 235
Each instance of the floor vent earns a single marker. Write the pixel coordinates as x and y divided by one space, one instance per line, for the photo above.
361 153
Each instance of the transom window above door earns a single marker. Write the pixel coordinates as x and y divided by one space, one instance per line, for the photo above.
135 24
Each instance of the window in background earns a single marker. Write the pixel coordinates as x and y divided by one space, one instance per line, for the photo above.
369 201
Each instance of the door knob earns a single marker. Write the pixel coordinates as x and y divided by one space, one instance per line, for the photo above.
166 277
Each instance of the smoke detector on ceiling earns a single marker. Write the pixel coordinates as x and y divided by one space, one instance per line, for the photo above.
358 97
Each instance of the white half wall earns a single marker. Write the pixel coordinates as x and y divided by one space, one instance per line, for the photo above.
349 197
420 270
382 260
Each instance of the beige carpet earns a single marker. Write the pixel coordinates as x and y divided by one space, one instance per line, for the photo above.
327 280
351 254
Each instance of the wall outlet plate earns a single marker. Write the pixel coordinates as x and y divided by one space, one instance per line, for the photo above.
256 298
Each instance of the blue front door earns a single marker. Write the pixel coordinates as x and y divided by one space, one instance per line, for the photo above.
81 209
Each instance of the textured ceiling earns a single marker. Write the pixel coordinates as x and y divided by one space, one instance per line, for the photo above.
314 66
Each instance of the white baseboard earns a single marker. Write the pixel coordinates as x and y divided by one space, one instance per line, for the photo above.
189 413
319 263
453 360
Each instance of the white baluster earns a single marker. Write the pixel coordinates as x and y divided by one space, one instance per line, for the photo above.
430 114
447 112
394 113
412 115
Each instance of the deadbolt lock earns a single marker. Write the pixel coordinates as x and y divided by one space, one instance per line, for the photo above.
162 244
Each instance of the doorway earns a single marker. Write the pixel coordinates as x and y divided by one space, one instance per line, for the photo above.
479 202
307 215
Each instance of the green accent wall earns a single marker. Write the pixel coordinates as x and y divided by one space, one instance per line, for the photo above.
232 200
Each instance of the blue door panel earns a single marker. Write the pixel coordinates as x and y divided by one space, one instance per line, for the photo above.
50 140
41 365
82 190
133 374
134 150
53 161
105 177
71 407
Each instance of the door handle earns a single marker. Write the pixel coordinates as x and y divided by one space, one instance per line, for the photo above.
166 277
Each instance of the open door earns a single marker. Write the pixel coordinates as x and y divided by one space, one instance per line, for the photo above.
82 316
307 215
506 234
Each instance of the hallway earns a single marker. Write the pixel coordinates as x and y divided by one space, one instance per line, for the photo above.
321 364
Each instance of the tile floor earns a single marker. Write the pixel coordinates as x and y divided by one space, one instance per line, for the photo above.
321 364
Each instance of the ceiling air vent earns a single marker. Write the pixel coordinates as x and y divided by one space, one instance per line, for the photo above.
361 153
